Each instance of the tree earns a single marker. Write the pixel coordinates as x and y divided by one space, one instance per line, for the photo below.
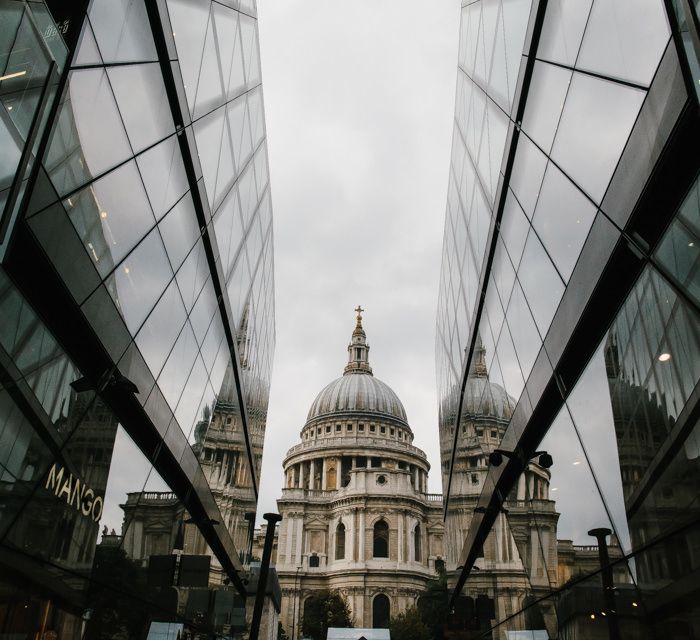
433 605
409 626
324 609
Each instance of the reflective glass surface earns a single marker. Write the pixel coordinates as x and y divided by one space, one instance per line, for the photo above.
612 514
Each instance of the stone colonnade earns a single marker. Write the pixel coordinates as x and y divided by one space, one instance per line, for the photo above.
325 473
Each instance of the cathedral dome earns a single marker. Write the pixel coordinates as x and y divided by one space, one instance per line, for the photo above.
357 390
486 399
482 399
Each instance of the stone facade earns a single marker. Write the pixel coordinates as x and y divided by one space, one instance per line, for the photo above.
357 517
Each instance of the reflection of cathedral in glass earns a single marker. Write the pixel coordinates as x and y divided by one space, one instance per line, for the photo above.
514 562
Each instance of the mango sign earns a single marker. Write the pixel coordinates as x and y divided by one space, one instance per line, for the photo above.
75 493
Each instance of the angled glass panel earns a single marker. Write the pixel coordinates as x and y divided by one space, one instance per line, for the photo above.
172 378
498 80
562 219
143 103
498 131
502 273
595 124
164 175
90 137
211 343
489 20
208 134
158 333
679 249
595 425
523 331
528 173
210 82
562 30
514 228
545 99
248 193
87 51
189 402
239 124
111 216
122 30
251 56
228 227
515 20
193 274
625 39
541 283
179 230
513 379
238 285
257 118
189 21
203 311
136 284
226 26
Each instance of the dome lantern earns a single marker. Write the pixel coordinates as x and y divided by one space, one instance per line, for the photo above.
358 349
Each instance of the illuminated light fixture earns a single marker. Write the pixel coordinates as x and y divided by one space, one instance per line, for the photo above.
555 488
664 357
690 244
634 604
103 214
602 613
17 74
70 202
593 616
126 269
577 462
10 109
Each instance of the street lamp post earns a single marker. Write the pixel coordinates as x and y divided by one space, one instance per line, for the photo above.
600 535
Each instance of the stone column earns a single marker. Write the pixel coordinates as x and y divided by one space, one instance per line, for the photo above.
300 535
312 475
521 487
290 531
350 537
323 474
400 542
301 475
361 533
416 486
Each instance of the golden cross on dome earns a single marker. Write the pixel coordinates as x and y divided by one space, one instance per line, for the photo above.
359 310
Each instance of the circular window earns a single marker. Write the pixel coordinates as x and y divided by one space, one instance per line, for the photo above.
381 479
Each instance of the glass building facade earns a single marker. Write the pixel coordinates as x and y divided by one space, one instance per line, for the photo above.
136 315
569 281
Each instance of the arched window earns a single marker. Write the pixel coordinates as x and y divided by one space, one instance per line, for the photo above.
314 560
381 539
381 612
340 541
416 543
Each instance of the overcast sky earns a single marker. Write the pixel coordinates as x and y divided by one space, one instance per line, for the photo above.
359 101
